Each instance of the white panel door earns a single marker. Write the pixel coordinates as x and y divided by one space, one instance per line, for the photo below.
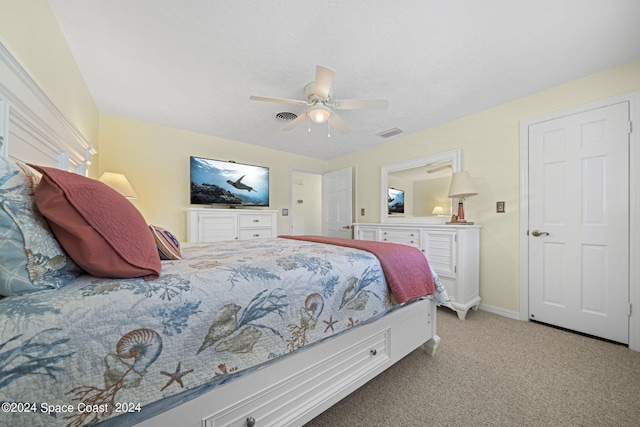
337 195
579 222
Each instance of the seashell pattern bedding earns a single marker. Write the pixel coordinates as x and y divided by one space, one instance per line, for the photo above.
103 350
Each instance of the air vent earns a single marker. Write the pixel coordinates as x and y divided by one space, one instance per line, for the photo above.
285 116
390 132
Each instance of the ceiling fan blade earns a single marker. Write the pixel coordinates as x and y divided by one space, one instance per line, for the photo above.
324 81
295 122
278 100
361 104
438 169
338 123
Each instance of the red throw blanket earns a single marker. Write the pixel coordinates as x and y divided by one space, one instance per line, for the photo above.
405 267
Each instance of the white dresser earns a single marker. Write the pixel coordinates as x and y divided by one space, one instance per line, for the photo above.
453 251
214 225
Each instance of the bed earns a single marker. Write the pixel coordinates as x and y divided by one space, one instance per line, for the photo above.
269 332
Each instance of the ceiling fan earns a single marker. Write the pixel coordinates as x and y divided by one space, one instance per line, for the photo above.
321 104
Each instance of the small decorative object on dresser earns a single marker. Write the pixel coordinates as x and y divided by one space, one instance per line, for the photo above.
214 225
453 251
461 187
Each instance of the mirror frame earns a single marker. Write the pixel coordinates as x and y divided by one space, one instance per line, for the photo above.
456 166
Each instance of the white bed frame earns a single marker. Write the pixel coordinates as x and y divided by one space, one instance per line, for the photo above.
290 391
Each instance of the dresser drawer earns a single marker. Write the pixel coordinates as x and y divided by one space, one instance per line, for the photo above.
211 225
405 236
255 220
255 233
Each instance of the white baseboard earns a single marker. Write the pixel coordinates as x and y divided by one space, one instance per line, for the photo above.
500 311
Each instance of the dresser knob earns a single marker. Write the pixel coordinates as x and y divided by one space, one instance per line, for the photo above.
256 220
251 422
374 352
256 235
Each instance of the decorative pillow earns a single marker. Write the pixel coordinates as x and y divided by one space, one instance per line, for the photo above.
30 257
101 230
168 245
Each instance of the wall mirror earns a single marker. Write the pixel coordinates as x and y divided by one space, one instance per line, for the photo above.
424 184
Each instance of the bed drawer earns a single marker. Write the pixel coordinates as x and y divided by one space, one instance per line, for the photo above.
291 395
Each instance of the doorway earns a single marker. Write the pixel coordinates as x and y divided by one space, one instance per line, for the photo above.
321 203
305 216
570 263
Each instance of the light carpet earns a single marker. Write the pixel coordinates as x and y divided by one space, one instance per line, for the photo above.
490 370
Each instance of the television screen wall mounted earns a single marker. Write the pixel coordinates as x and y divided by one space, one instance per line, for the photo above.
218 182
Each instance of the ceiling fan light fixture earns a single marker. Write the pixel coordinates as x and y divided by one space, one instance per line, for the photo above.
319 113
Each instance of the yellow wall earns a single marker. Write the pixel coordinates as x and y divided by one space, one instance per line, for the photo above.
155 159
31 33
489 141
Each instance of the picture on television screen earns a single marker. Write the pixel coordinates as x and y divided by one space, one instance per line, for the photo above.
217 182
395 201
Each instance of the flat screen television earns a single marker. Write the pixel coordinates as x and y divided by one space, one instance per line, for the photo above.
395 201
218 182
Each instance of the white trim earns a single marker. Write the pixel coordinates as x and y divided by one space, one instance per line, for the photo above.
29 106
456 166
500 311
634 205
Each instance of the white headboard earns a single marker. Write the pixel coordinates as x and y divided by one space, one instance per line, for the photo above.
32 128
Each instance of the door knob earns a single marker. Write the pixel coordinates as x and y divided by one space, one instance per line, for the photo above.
538 233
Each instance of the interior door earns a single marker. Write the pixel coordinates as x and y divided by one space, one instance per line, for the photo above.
337 201
579 222
305 213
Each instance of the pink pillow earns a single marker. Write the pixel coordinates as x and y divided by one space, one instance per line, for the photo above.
100 230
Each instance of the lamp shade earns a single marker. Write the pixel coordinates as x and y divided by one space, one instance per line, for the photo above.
120 183
461 186
437 211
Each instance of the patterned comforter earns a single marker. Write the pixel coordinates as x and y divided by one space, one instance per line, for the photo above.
98 348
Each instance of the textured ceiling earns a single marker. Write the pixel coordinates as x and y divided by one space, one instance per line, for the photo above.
192 64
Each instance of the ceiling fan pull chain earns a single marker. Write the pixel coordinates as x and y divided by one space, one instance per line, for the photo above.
309 121
329 126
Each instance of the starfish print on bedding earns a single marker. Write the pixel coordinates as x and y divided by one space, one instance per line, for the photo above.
176 376
330 324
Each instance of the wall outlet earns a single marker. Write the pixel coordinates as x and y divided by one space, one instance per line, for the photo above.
362 212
